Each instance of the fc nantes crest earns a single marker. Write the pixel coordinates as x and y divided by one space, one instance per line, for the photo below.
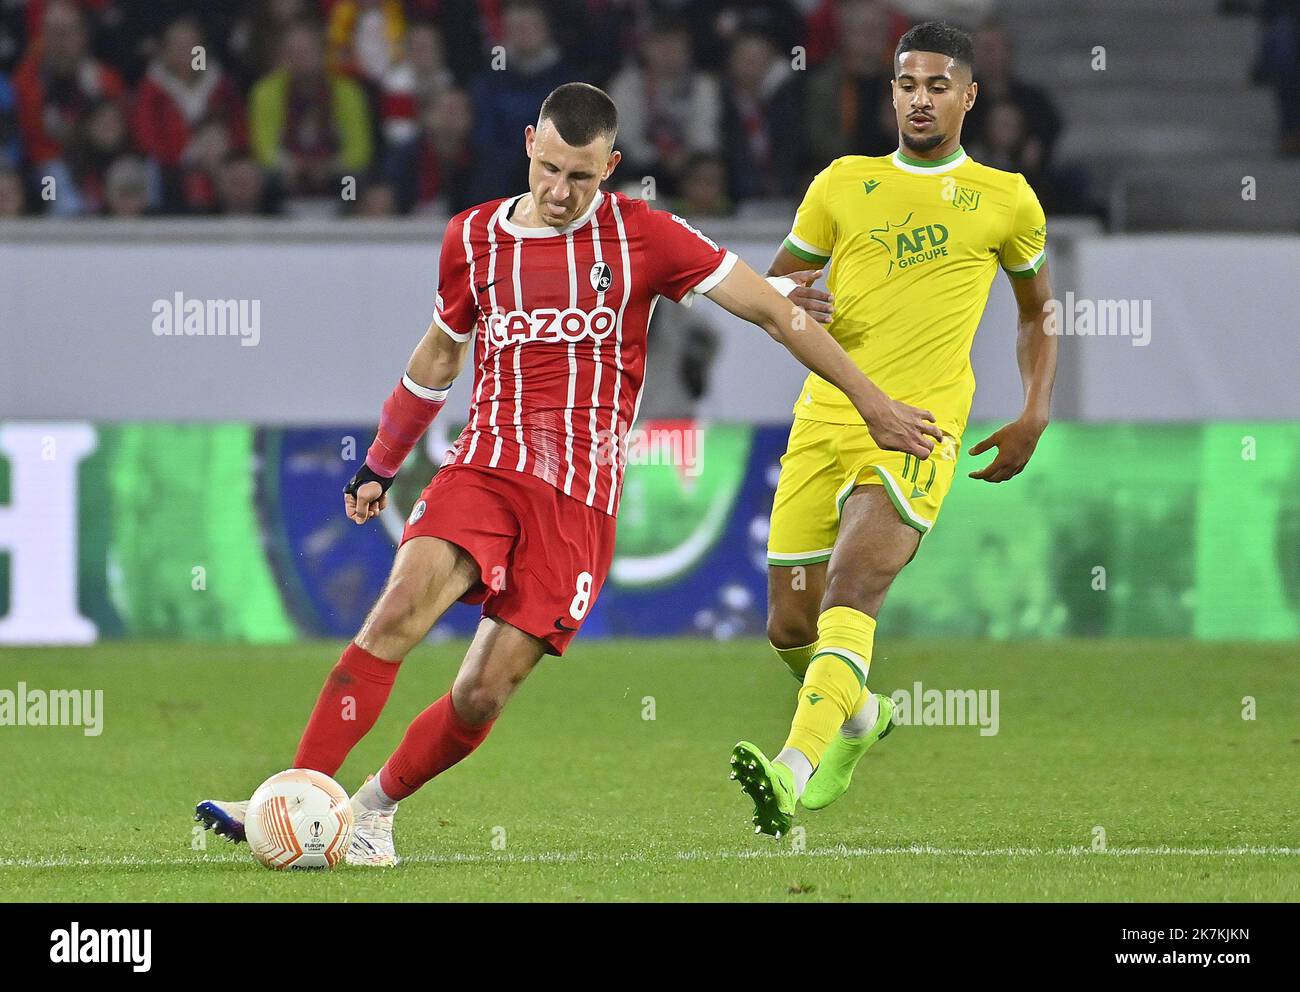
961 197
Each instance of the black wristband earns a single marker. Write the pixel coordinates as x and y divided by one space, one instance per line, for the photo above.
366 474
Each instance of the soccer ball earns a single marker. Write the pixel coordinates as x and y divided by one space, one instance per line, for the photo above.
299 819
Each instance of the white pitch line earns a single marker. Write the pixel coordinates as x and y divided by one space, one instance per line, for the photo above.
562 857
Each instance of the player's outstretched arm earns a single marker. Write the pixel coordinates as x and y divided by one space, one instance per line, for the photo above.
1036 356
894 426
407 414
818 303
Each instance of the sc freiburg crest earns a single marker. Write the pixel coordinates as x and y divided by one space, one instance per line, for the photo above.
601 277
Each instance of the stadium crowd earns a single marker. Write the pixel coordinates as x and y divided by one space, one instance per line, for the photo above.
127 108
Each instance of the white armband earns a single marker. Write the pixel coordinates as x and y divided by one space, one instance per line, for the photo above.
782 284
426 392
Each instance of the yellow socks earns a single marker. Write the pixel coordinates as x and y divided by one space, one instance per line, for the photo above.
834 685
796 659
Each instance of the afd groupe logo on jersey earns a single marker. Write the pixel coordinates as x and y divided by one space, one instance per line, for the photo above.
909 245
549 324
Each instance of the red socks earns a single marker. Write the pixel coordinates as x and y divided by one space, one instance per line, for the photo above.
348 706
350 703
435 740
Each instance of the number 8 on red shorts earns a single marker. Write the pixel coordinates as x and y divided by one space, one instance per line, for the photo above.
542 556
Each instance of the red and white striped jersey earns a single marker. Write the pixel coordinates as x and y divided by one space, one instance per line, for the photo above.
561 317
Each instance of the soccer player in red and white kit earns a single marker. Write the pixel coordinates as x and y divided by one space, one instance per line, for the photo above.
554 290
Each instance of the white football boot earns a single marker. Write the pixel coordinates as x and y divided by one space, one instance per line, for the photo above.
372 835
224 818
372 838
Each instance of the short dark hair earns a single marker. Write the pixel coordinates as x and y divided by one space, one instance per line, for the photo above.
581 113
938 36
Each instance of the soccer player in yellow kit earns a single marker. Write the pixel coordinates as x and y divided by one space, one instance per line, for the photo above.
916 238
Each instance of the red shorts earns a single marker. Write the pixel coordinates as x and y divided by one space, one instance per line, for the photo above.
542 556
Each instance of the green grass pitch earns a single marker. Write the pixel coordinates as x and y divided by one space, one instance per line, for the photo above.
578 796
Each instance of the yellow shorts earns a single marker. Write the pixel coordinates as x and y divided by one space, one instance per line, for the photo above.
823 463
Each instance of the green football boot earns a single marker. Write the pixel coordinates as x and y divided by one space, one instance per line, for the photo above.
832 777
768 784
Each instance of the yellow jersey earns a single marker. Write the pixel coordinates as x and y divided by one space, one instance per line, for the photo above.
913 248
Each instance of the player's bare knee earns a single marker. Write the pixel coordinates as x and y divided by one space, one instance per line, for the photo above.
478 701
398 614
786 629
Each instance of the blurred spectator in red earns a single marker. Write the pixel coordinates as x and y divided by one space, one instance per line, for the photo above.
128 34
200 172
843 102
411 85
10 148
668 110
762 137
126 188
507 95
823 34
437 171
307 125
241 188
704 189
998 84
102 138
181 93
427 124
365 37
13 198
57 84
101 20
825 29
